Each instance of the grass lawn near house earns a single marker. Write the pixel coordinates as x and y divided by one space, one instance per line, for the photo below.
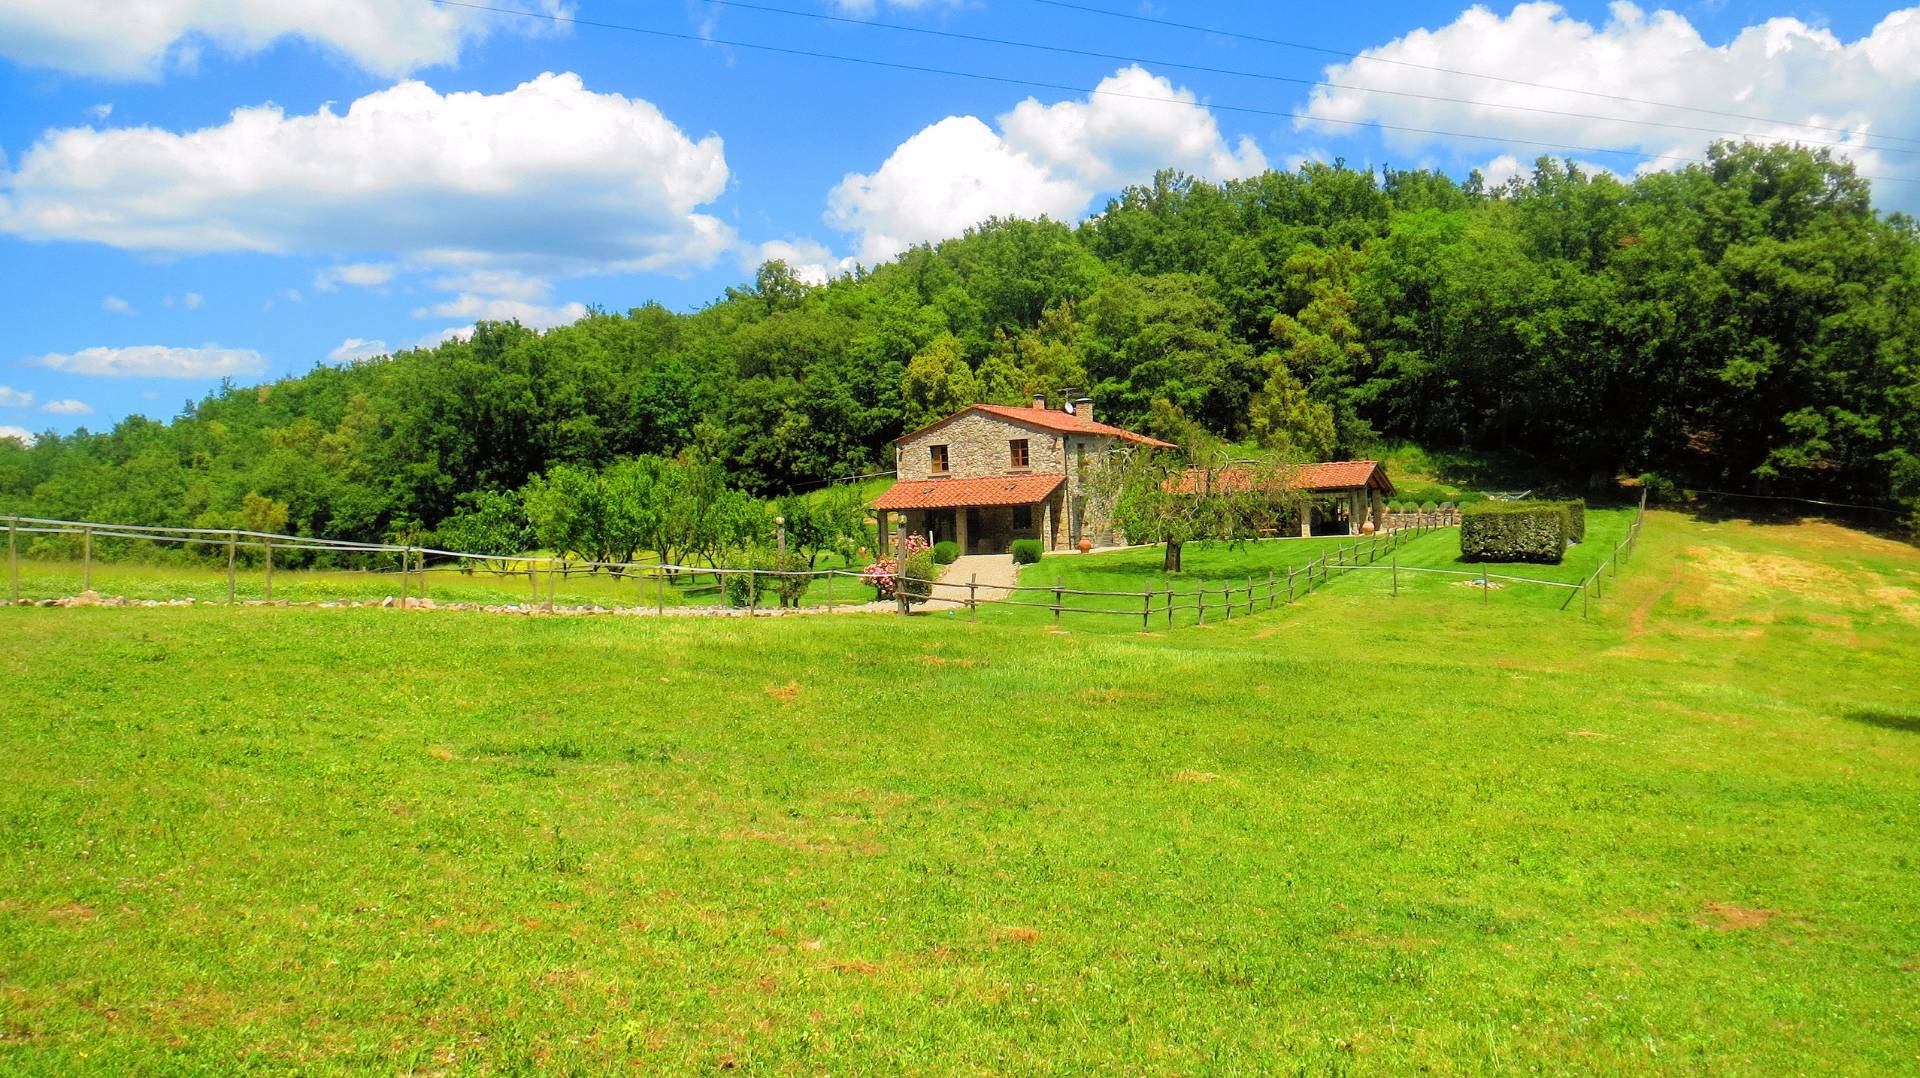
1217 565
51 579
1360 835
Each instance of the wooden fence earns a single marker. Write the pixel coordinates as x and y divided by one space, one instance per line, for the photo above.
412 565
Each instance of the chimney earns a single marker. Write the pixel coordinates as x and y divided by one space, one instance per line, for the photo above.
1083 408
1040 401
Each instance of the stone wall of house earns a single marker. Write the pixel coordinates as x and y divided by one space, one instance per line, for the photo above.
978 445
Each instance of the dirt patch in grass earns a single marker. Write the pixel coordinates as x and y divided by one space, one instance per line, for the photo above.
1014 934
783 692
1195 777
1591 734
1902 601
1728 917
941 660
1770 572
75 912
864 968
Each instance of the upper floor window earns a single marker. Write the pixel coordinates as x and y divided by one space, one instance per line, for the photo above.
1017 452
937 459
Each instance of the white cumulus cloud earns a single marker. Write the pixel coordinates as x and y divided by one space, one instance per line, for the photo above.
1046 160
1779 70
67 407
15 398
354 349
546 177
492 308
358 274
19 434
119 40
811 261
116 305
156 361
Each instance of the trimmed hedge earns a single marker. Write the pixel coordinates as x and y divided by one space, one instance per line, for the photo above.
1026 551
1515 531
920 572
1576 519
945 552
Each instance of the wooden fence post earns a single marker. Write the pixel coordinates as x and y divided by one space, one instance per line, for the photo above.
230 541
1226 601
1056 600
1289 585
1396 572
86 560
1169 606
900 567
973 597
1485 588
1272 591
13 557
1200 604
1249 596
269 570
1146 607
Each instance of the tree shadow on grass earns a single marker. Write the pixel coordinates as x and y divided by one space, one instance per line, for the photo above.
1906 723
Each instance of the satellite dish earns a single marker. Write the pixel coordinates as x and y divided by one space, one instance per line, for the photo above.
1069 407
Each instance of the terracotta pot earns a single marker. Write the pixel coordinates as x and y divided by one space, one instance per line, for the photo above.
1086 545
1367 528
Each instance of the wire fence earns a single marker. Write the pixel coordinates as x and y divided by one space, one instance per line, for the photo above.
1587 589
660 587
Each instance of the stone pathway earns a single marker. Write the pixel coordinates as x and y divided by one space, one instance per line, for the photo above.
994 573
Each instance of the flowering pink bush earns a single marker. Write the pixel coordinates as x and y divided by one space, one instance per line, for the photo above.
882 572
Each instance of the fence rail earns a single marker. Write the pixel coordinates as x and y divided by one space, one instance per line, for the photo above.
413 566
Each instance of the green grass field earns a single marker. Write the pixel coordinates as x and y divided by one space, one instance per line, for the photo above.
1359 835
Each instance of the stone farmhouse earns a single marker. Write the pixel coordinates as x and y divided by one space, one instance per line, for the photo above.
990 474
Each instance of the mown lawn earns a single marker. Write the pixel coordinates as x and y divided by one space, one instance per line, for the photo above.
446 583
1360 835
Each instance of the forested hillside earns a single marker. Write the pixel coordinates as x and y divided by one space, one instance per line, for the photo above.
1751 324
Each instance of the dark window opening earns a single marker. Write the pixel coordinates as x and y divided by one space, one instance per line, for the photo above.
1017 452
1023 517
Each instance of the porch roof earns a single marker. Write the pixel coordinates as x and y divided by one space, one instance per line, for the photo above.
959 493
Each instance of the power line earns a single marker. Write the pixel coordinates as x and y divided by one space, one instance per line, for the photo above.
1089 91
1268 76
1344 54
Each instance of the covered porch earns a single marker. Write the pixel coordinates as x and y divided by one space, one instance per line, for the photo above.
981 516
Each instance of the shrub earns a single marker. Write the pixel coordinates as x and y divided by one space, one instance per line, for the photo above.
917 575
945 551
790 589
1658 487
740 589
881 573
1026 551
1514 531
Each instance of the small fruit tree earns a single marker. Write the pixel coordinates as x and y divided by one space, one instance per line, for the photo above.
918 566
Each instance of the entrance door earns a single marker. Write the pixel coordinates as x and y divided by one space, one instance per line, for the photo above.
977 538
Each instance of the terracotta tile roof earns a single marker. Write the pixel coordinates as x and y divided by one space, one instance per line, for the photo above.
1046 419
955 493
1327 475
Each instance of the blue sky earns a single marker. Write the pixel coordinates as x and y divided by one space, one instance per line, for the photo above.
397 168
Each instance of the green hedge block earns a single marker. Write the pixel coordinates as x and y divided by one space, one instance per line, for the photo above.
1026 551
1515 531
1576 519
946 551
